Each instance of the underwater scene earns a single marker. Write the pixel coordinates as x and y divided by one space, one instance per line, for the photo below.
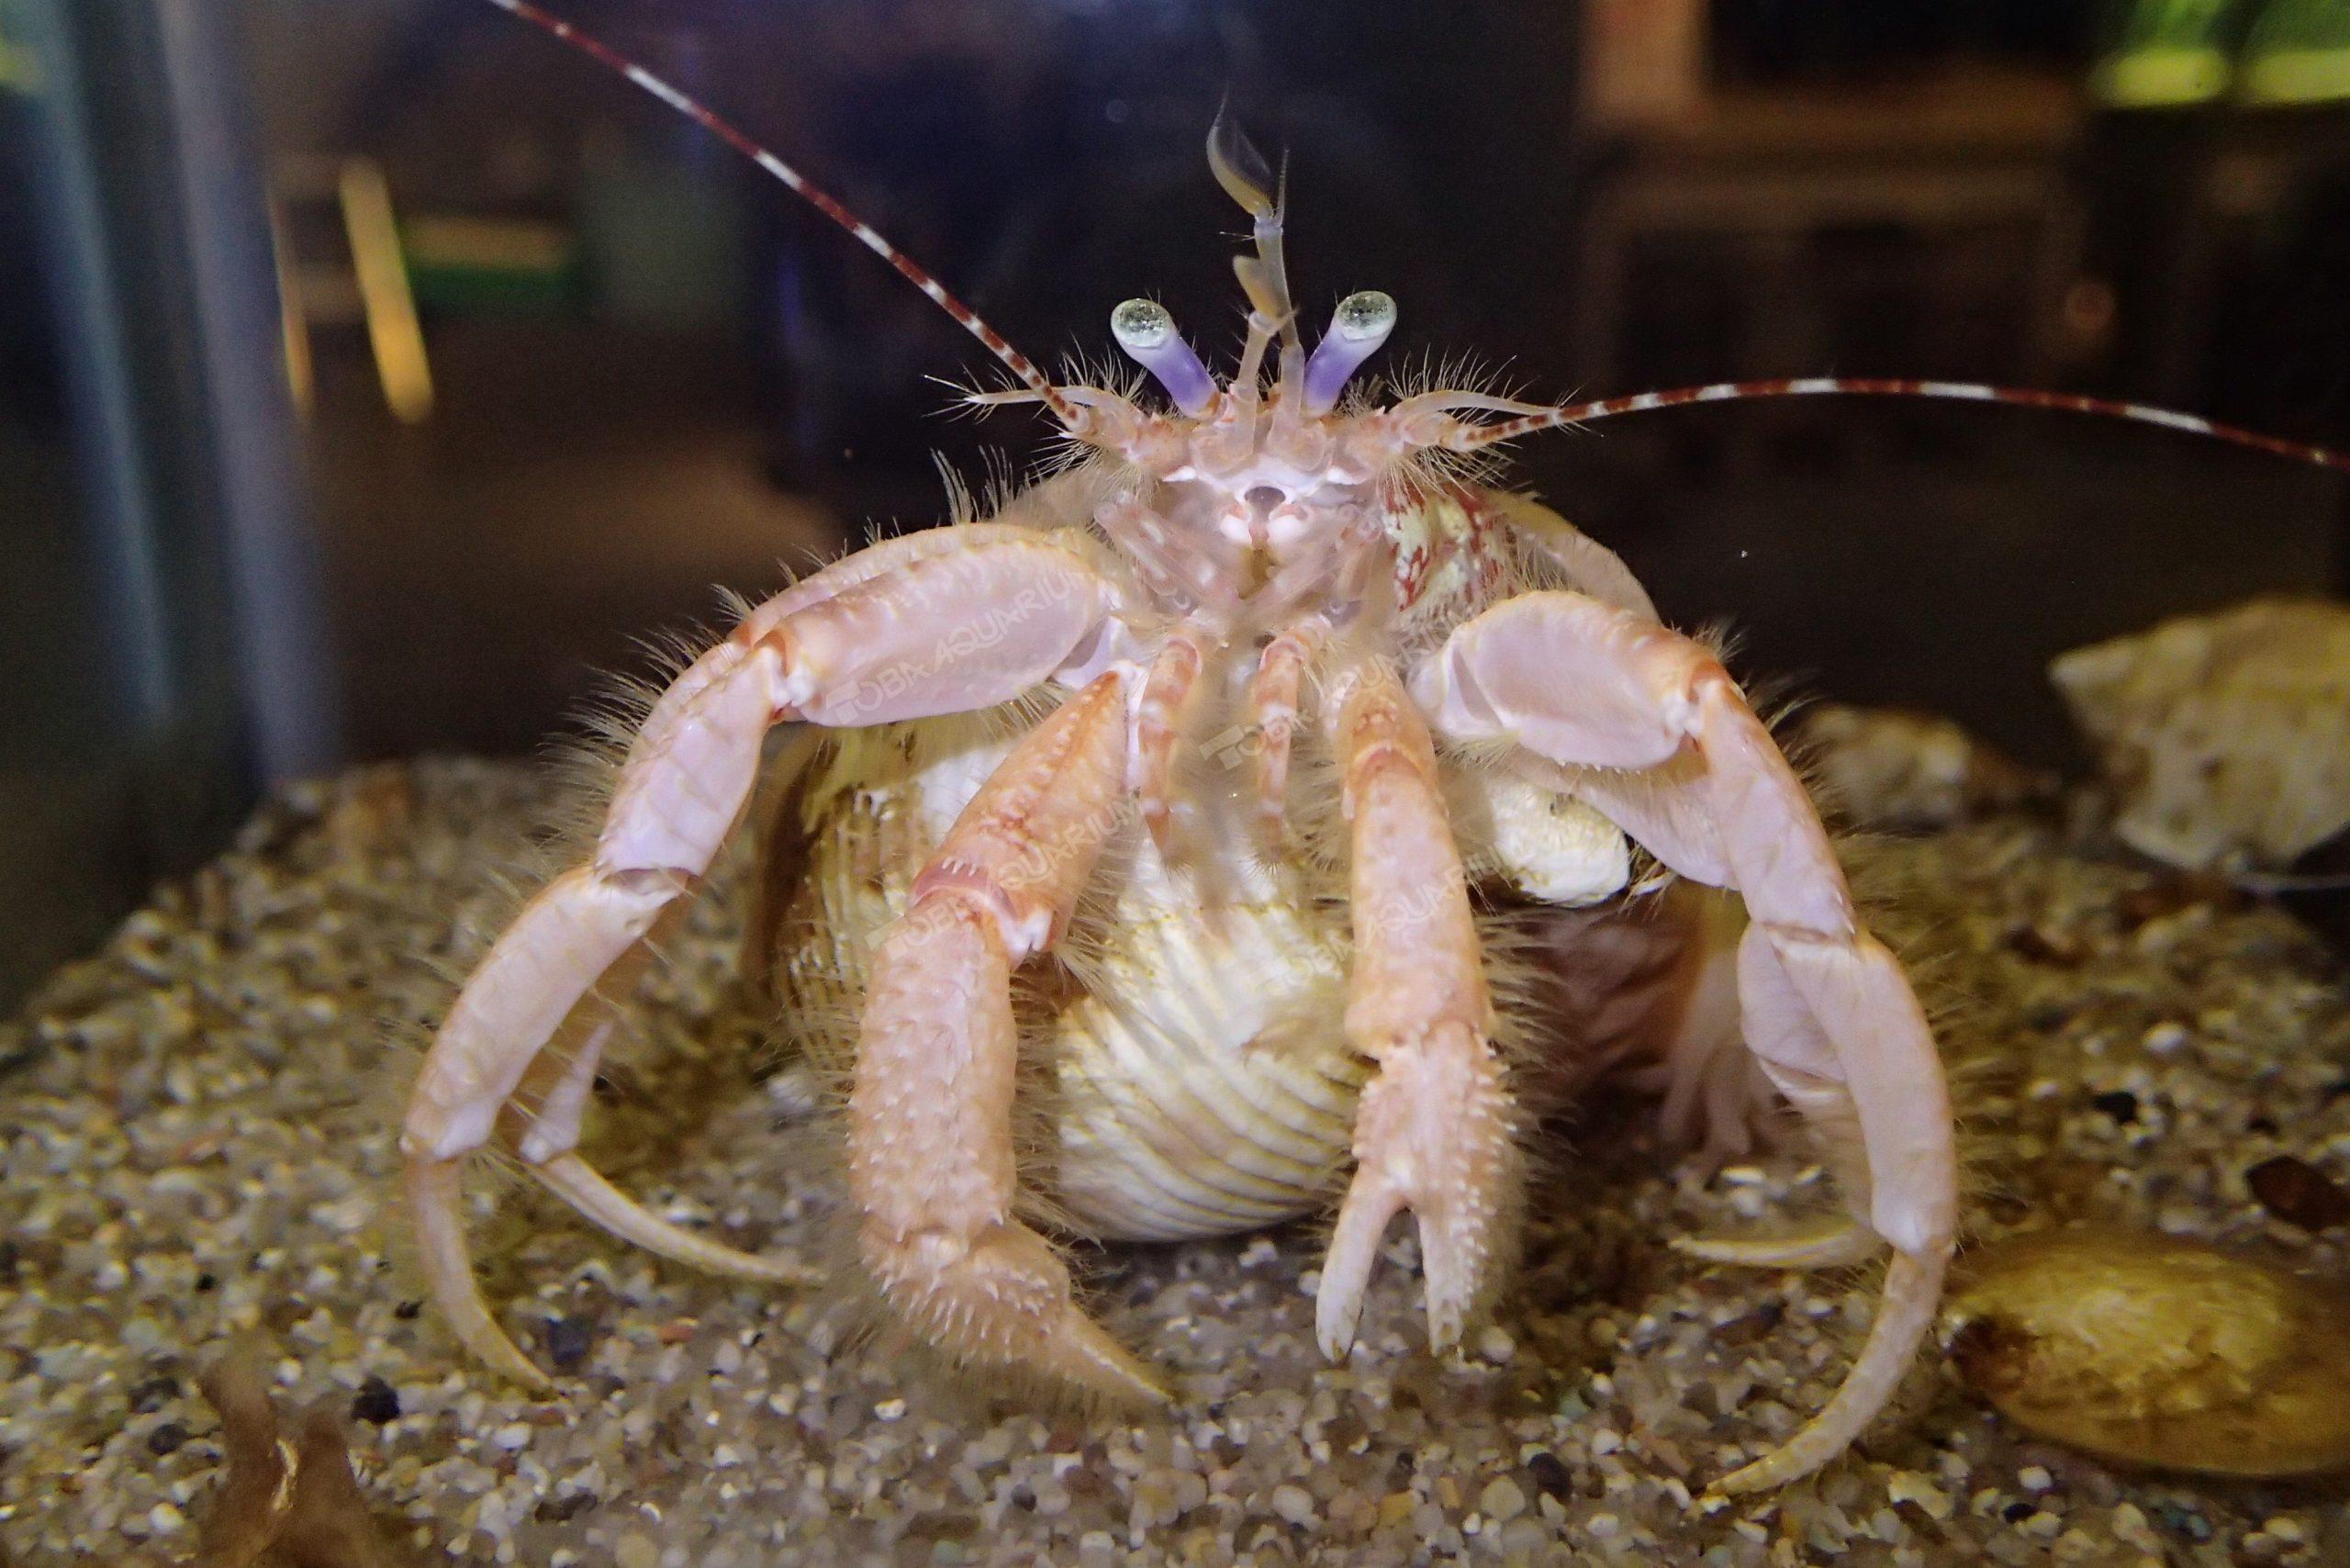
1158 781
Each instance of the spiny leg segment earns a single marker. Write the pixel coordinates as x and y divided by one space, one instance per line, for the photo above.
1432 1129
931 1159
1645 726
1273 698
905 630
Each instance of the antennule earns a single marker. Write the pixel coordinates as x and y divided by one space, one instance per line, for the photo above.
1359 325
1146 330
1022 367
1240 168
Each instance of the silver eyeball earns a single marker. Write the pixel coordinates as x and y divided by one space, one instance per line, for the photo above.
1358 328
1141 324
1147 333
1369 314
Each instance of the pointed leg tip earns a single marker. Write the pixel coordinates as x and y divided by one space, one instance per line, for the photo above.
1448 1315
523 1371
1337 1316
1834 1247
490 1345
433 1193
1138 1385
1107 1369
1724 1249
1774 1469
579 1184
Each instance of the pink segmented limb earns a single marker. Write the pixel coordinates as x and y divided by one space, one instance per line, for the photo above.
1588 566
930 1163
1663 743
1167 696
1176 563
1433 1127
923 630
1273 695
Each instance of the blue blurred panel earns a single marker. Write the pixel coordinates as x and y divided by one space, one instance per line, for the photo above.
163 659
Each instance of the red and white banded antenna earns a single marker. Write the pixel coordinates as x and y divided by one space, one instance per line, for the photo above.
1467 439
1569 414
824 201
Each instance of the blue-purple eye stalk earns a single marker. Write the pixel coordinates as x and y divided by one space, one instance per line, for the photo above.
1147 333
1357 327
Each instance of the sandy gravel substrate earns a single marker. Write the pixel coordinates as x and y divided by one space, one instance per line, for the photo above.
198 1137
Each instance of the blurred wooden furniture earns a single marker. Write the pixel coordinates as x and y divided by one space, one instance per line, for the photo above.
361 277
1760 176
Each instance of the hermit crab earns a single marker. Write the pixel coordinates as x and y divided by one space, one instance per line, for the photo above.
1260 785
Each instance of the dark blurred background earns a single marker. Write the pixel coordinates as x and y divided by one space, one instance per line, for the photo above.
375 373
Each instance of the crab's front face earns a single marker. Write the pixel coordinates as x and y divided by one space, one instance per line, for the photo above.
1253 504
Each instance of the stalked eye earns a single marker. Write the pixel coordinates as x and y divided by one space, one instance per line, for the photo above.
1366 316
1359 325
1146 330
1141 324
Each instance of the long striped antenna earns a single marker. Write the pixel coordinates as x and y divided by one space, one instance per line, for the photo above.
1075 419
1466 437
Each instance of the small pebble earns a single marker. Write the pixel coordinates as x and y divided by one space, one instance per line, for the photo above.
199 1145
1910 1486
376 1402
568 1340
2117 1103
152 1395
2128 1522
1501 1500
2299 1192
2181 1520
1550 1475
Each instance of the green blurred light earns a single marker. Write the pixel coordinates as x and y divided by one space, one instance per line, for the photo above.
2169 54
2299 53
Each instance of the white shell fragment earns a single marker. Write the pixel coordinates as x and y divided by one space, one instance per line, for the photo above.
1549 846
2225 738
1898 770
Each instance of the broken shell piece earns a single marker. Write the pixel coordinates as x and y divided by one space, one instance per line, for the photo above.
282 1503
2156 1352
1895 770
2225 739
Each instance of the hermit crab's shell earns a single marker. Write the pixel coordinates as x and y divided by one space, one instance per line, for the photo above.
2225 738
1194 1077
1898 771
2157 1351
